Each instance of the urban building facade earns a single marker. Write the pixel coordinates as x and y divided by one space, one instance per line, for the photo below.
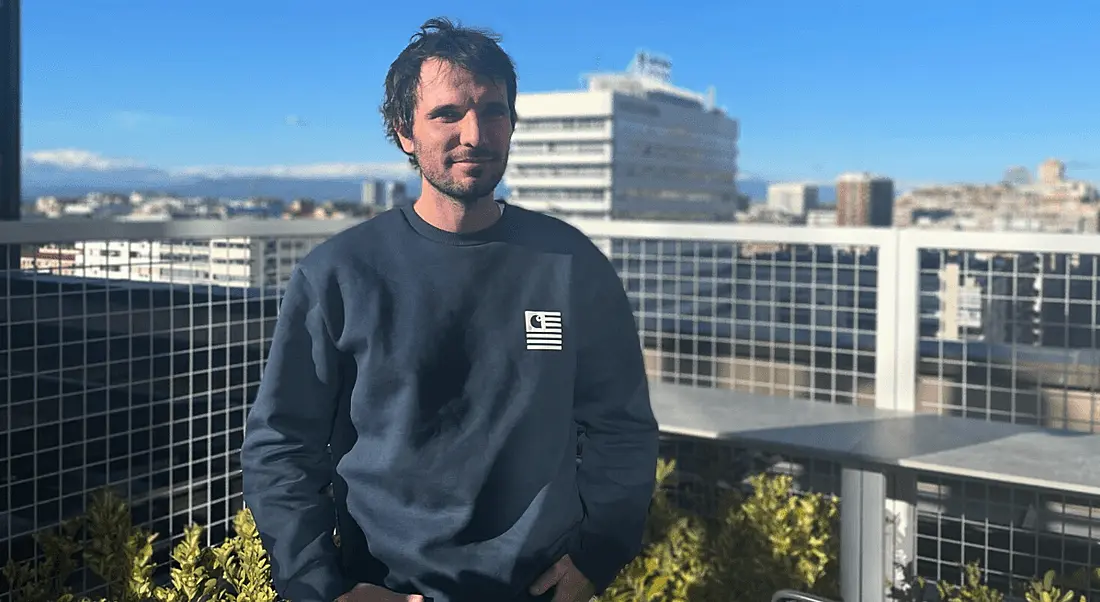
1052 172
631 145
384 194
821 218
863 199
236 262
793 198
1053 204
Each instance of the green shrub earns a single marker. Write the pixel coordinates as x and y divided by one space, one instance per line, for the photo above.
770 539
121 555
1051 588
674 561
758 544
774 539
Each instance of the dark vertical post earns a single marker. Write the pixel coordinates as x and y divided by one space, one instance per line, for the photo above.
10 164
10 190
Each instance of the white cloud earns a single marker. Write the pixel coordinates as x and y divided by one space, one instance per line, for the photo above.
73 158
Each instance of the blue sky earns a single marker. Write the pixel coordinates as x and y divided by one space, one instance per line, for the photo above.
940 90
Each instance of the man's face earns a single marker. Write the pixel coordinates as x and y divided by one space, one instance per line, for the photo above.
461 131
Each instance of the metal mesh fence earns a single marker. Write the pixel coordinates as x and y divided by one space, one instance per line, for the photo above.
1011 335
130 365
779 319
1000 335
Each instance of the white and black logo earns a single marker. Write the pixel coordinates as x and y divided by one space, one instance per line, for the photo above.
544 330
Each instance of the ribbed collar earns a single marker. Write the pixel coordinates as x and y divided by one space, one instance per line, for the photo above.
496 232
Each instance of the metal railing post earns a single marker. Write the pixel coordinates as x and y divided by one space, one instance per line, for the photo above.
11 192
862 535
877 532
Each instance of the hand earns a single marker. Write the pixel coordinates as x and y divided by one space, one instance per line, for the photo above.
365 592
571 585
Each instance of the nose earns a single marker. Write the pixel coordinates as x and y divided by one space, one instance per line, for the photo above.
470 134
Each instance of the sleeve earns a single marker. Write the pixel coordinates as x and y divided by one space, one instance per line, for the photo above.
617 471
284 456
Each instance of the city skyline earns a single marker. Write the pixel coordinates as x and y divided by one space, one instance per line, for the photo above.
818 92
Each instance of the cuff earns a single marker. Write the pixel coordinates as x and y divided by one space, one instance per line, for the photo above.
599 564
321 583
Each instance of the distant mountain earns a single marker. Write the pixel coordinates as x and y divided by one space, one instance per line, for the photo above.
270 186
46 178
754 188
72 173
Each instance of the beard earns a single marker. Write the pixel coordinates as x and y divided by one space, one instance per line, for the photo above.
485 179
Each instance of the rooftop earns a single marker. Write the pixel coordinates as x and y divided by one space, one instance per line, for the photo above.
843 356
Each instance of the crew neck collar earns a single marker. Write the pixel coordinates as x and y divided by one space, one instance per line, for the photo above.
494 232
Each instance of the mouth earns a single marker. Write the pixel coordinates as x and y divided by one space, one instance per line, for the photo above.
474 160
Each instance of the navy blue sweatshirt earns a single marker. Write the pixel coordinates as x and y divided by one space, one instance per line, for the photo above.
443 384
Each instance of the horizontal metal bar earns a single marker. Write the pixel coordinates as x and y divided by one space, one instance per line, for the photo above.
1010 242
77 230
643 229
886 440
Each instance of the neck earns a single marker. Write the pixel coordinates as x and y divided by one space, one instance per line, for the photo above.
451 215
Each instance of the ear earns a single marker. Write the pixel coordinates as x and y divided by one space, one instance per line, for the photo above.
406 142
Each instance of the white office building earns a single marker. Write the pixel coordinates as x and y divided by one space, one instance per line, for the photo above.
385 194
793 198
232 262
631 145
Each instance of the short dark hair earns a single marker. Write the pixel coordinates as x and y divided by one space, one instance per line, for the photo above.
475 50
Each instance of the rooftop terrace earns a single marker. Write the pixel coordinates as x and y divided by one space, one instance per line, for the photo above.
948 383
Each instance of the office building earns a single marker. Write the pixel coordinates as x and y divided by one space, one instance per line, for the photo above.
863 199
385 194
793 198
631 145
237 262
821 218
1052 172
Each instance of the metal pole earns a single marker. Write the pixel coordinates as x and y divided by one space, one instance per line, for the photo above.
862 536
10 189
10 164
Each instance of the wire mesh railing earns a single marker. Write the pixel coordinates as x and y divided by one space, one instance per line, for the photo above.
130 353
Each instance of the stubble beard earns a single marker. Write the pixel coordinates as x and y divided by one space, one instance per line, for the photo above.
467 197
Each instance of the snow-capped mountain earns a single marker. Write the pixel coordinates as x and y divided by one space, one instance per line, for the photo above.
73 172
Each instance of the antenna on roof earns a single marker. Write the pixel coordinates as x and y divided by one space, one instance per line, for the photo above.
651 65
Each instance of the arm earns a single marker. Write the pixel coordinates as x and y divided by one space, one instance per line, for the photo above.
285 457
617 471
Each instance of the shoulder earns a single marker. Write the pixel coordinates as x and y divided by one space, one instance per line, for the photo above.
554 234
592 268
352 254
352 245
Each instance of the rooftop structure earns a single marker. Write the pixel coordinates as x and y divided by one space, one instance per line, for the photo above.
632 144
864 199
793 198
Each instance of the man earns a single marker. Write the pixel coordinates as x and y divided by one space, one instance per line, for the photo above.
440 366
